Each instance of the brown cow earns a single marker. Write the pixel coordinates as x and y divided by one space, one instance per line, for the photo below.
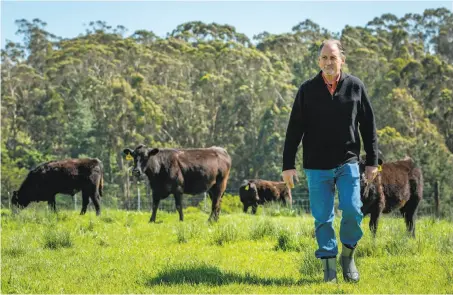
257 191
399 185
68 177
179 171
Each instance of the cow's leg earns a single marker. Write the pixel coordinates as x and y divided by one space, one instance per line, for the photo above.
178 202
408 212
374 220
156 200
96 201
85 201
52 204
216 199
254 208
409 218
213 206
375 209
246 207
216 193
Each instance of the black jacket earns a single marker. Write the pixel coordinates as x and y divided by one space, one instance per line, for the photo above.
328 125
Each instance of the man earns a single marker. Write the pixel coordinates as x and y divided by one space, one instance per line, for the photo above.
326 114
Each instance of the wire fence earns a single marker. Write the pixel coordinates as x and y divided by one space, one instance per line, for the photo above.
202 202
141 200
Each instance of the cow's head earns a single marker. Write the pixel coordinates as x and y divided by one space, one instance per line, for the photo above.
18 200
141 155
249 193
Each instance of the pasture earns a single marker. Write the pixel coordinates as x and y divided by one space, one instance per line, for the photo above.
120 252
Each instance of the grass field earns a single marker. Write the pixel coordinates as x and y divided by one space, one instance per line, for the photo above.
120 252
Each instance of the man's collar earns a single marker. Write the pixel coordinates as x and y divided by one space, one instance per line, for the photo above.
343 75
325 78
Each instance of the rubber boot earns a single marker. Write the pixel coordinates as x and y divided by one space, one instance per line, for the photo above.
350 272
329 267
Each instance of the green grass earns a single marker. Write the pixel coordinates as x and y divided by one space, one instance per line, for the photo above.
120 252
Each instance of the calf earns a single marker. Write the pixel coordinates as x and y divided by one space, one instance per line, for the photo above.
179 171
257 191
399 185
68 177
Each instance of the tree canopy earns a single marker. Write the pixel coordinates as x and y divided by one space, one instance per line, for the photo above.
208 84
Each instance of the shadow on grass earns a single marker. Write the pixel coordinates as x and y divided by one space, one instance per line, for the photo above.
211 275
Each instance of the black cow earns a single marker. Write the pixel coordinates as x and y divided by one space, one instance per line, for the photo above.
257 191
399 185
68 177
178 171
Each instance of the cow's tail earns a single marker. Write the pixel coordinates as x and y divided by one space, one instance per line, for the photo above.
101 184
101 181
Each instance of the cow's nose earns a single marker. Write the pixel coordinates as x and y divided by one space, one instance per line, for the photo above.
136 172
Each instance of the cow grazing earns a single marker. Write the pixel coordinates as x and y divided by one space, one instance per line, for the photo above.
179 171
68 177
399 185
257 191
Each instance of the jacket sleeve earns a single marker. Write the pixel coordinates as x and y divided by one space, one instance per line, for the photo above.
367 127
294 132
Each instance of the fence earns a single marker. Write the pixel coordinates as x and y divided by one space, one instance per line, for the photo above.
300 203
143 202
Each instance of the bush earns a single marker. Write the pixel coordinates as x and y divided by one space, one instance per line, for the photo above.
54 239
16 249
191 209
262 228
185 231
287 241
231 204
225 233
278 209
107 219
309 264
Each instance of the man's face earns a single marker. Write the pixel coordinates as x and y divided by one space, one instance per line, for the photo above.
330 60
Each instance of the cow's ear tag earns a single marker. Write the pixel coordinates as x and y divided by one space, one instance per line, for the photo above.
379 168
129 157
247 187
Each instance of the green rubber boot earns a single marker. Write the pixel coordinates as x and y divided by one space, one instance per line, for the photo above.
329 266
350 272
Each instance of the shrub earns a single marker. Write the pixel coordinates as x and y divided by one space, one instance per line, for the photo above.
54 239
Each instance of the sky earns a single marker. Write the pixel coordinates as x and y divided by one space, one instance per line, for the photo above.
68 19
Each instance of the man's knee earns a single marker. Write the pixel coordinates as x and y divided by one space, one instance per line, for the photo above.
323 216
351 210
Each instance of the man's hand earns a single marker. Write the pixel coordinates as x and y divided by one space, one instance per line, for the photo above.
287 176
370 173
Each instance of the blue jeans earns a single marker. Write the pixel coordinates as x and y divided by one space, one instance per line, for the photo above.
321 186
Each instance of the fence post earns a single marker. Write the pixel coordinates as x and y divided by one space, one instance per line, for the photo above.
436 198
138 195
128 188
148 193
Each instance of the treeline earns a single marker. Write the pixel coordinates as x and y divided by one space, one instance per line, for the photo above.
207 84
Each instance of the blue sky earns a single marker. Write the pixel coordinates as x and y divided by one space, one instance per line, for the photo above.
69 18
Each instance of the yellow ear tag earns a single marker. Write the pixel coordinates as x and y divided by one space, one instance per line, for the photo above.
129 157
247 188
379 168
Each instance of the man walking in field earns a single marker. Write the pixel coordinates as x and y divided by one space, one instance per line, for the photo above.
328 111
